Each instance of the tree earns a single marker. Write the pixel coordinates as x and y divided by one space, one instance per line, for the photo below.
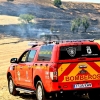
76 23
26 22
73 26
26 18
85 23
57 3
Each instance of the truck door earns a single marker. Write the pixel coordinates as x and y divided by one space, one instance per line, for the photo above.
20 68
28 79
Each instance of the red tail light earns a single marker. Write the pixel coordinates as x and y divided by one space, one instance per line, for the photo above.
53 73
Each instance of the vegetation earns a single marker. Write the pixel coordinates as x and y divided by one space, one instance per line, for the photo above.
75 25
26 18
78 22
85 23
52 29
57 3
26 22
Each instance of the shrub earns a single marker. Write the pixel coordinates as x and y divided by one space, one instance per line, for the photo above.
85 23
26 18
26 22
76 23
57 3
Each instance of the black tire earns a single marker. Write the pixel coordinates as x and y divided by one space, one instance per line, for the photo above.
11 87
40 92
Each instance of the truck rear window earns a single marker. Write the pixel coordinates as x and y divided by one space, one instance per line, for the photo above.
72 52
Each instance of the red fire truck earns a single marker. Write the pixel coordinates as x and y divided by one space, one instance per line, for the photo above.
57 68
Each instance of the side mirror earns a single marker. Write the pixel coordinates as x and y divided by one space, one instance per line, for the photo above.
13 60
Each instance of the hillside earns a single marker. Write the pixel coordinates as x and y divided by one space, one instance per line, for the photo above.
48 16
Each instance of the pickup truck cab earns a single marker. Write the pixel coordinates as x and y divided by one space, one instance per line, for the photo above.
58 67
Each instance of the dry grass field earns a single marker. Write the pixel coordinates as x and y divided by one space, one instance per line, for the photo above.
10 20
7 51
6 20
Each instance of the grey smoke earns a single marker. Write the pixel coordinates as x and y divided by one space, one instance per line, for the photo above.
45 17
15 10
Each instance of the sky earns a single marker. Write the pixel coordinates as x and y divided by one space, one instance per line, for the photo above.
91 1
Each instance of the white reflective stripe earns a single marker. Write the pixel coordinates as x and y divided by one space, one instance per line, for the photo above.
51 75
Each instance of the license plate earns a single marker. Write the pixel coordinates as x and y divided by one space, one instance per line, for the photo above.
86 85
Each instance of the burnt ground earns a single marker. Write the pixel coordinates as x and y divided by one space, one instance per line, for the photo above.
49 17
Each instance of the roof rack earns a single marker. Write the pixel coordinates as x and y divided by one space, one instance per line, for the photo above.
35 43
63 41
78 40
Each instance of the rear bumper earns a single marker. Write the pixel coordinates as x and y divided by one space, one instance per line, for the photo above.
69 86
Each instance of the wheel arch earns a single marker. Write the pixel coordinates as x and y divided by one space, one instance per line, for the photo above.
8 74
36 79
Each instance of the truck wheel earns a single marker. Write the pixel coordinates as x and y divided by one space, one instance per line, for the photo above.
94 95
11 87
40 92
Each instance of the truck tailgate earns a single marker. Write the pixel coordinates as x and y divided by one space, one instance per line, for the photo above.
79 73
